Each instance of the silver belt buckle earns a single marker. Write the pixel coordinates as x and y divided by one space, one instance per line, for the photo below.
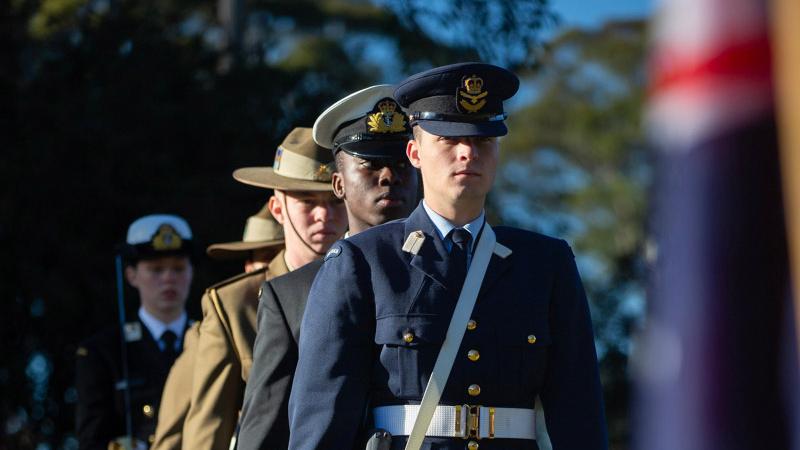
469 426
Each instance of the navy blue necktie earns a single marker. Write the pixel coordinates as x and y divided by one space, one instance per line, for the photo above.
168 340
461 239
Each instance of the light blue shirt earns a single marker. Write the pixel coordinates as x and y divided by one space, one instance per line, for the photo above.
444 227
157 327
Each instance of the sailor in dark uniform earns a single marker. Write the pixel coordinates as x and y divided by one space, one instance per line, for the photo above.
380 306
158 265
367 132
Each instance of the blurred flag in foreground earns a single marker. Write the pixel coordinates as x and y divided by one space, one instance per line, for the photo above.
717 365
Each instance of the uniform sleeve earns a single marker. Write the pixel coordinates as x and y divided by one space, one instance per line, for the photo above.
176 396
331 383
96 418
572 394
217 385
265 416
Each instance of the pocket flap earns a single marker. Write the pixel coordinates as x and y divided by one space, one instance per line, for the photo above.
529 333
410 330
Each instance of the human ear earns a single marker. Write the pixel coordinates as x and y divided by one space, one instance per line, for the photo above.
412 152
276 208
337 181
130 275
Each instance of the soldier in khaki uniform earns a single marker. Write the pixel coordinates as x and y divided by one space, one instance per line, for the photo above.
312 219
262 241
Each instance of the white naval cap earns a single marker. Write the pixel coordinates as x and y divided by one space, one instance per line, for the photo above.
368 123
143 229
158 235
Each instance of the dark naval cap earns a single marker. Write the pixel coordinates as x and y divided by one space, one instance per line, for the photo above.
369 124
464 99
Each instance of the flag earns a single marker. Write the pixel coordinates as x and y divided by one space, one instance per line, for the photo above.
716 366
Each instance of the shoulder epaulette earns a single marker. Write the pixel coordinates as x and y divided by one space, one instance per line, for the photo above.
133 331
239 277
501 250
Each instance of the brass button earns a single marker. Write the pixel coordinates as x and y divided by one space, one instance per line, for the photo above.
148 411
151 439
408 336
474 390
473 355
471 325
531 339
472 445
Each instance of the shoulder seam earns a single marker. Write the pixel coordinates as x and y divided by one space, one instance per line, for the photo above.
236 278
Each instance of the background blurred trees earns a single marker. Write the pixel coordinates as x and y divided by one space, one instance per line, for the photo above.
575 166
113 109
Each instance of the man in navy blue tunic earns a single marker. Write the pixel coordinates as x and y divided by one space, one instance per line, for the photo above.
525 375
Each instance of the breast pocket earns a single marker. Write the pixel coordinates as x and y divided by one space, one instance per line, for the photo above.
409 344
523 346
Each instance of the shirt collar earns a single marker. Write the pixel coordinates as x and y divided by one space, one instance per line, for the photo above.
444 226
157 327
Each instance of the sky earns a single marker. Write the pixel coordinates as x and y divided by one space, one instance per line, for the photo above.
595 12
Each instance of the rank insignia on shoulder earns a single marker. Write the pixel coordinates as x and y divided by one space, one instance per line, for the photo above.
133 332
501 250
414 242
333 253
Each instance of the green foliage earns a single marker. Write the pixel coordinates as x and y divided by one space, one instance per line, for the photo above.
575 165
54 15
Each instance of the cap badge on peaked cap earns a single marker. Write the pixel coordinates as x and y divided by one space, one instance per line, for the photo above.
471 95
386 117
166 238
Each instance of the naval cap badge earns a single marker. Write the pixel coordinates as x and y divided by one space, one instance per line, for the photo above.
166 238
386 117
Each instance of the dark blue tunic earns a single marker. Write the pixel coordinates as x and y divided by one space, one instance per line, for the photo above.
369 293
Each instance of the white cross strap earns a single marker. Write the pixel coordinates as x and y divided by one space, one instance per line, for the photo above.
455 332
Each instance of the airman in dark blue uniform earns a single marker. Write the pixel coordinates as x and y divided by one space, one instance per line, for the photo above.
526 373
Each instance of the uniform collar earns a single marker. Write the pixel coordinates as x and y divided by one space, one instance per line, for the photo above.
278 265
157 327
444 226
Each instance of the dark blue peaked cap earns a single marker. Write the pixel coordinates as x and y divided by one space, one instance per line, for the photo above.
464 99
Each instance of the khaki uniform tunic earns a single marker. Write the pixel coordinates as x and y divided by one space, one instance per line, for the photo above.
203 394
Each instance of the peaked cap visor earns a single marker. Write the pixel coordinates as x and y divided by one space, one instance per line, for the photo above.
354 106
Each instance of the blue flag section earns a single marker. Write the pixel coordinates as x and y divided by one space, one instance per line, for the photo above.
716 366
713 375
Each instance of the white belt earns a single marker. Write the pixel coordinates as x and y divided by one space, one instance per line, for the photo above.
464 421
